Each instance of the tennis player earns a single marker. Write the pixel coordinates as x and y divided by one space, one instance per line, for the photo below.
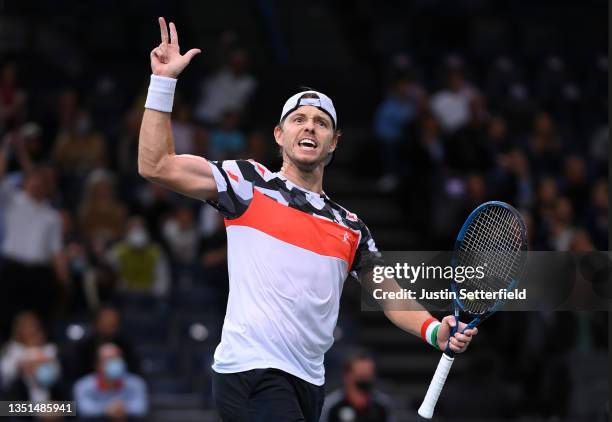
290 249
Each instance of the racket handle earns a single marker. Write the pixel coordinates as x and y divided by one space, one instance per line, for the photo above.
435 387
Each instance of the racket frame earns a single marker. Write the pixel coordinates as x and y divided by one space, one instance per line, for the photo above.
448 356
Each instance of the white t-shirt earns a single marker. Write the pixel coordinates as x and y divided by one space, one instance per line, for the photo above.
32 230
289 253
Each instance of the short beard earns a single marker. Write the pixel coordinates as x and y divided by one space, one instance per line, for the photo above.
306 167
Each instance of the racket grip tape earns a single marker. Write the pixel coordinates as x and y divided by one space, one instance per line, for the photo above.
435 387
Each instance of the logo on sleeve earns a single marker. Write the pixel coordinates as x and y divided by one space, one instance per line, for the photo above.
350 216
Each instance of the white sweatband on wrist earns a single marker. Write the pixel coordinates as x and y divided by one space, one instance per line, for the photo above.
161 93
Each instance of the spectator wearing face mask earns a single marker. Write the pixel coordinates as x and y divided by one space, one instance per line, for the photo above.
30 367
33 270
141 264
357 400
27 333
40 378
111 393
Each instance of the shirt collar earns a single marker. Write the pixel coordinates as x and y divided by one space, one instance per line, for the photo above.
291 185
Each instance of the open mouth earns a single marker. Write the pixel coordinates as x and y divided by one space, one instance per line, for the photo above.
307 144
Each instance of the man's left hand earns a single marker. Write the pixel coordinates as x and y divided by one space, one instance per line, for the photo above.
460 341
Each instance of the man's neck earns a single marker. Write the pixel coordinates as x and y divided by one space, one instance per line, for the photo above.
309 180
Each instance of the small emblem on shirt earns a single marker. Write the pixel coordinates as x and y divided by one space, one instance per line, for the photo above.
351 217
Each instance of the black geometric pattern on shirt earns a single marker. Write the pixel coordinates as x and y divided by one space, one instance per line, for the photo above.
364 259
228 203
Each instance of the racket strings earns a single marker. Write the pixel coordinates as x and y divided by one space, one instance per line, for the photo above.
493 238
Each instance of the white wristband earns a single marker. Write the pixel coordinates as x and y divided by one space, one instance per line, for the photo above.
161 93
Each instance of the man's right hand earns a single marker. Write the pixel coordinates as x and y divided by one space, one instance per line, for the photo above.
166 59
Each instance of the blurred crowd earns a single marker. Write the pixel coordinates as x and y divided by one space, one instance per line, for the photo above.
448 149
80 230
84 237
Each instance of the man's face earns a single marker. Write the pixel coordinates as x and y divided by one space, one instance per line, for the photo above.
108 323
361 375
35 186
306 137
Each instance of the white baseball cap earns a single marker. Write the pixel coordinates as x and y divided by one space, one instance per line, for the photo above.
323 102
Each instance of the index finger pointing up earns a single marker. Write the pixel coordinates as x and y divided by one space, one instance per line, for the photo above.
163 29
173 34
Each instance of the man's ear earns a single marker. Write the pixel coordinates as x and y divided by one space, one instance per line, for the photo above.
334 142
277 135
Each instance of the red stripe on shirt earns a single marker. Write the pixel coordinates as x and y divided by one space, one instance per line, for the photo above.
298 228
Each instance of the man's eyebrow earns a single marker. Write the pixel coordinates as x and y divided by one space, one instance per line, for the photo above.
324 117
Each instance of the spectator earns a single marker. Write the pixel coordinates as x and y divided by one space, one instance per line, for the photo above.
12 148
182 237
106 329
111 392
451 106
357 400
230 89
544 145
141 264
227 140
27 140
560 227
40 379
32 260
78 149
26 349
101 214
397 110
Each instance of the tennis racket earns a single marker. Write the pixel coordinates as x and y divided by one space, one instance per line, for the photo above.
494 237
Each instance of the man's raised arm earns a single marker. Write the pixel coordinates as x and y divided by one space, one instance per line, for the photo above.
186 174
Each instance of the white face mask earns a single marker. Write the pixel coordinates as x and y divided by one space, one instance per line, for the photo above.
138 238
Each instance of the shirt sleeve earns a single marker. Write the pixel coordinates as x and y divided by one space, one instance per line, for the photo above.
137 403
88 403
367 255
55 235
234 180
